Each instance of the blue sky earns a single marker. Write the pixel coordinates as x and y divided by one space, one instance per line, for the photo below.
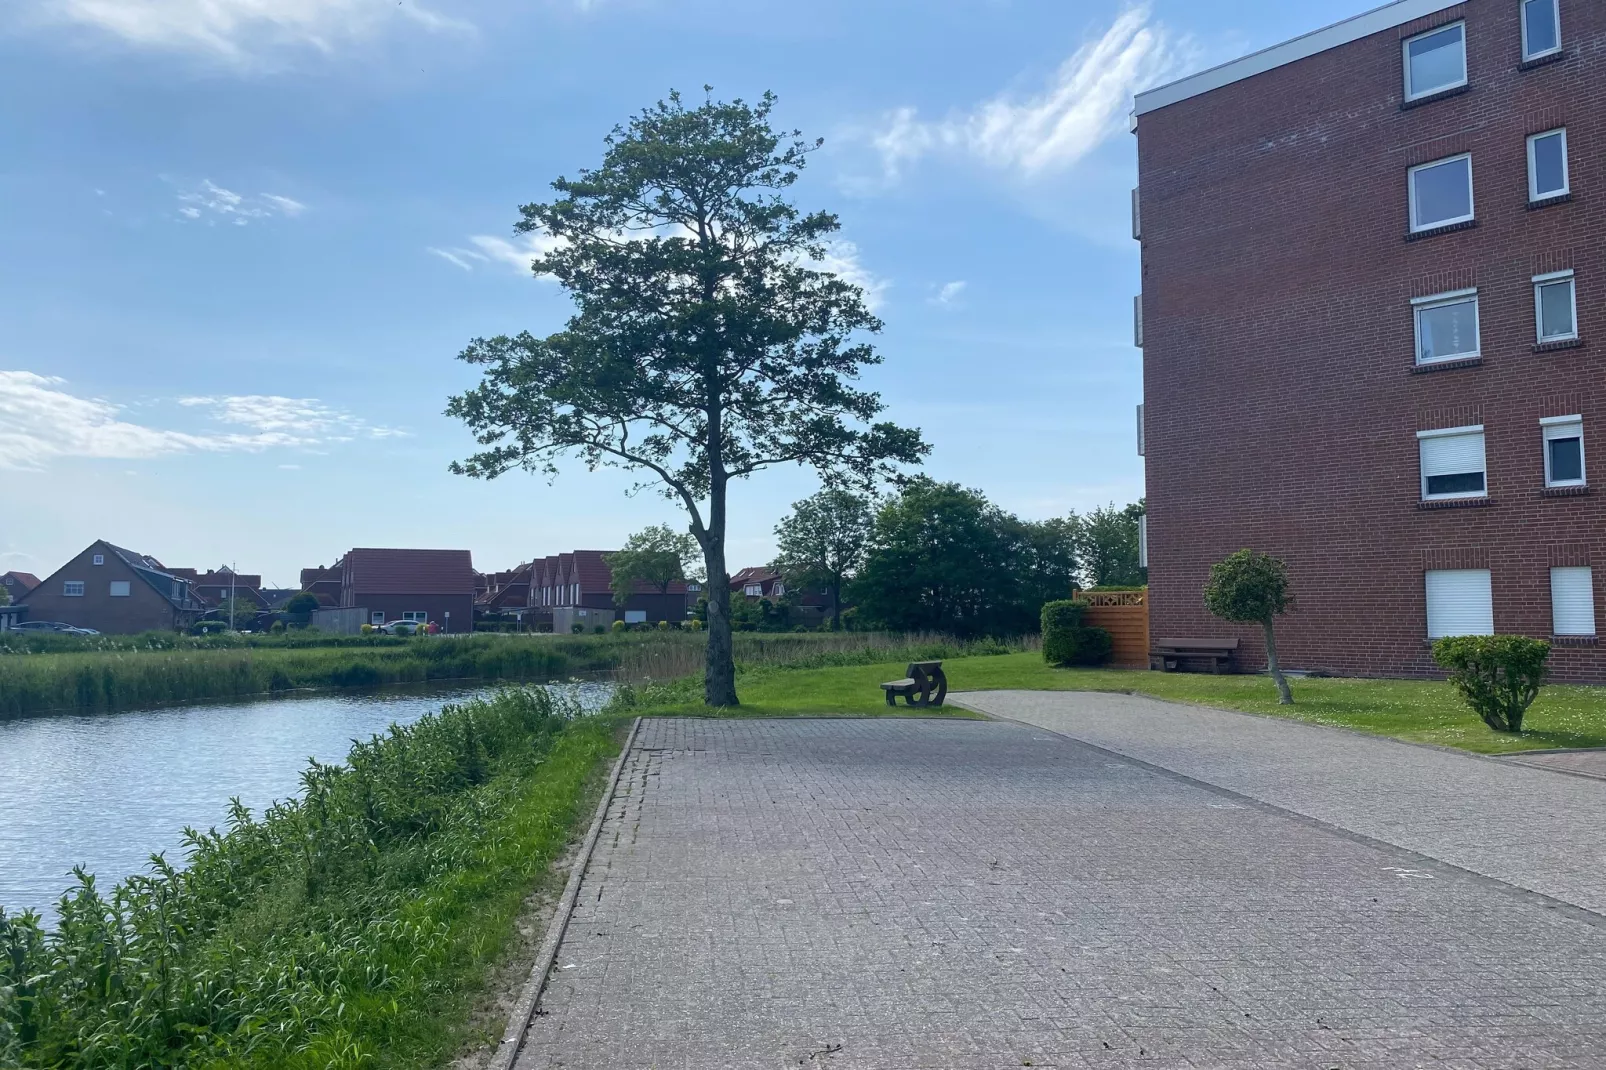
244 241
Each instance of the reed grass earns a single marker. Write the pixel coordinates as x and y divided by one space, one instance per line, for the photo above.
345 929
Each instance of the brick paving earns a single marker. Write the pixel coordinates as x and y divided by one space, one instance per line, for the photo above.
1578 762
1525 826
954 894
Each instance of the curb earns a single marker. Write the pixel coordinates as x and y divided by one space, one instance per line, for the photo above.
507 1052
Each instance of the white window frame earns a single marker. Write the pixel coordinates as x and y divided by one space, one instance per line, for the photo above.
1590 576
417 616
635 616
119 589
1534 196
1541 281
1452 297
1472 194
1552 427
376 617
1452 432
1522 17
99 559
753 590
1405 60
72 588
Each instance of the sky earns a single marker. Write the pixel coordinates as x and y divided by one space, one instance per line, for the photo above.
243 241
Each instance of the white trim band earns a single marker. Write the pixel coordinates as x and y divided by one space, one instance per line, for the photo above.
1443 432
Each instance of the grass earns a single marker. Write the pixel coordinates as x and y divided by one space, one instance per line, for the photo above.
1418 711
351 928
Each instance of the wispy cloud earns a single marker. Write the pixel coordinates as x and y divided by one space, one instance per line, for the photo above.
42 421
215 204
487 251
948 293
244 32
1084 103
842 258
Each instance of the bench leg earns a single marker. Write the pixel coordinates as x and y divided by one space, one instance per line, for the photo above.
892 699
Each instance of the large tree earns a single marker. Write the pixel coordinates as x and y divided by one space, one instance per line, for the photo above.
658 556
823 541
1108 544
708 343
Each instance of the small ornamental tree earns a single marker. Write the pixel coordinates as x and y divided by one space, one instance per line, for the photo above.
1252 588
657 556
1498 675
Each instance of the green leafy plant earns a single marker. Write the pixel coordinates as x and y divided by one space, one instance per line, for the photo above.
1252 588
823 542
1498 675
1067 641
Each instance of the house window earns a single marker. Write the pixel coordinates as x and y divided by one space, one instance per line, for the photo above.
1446 326
753 590
377 617
72 589
100 559
418 616
1452 463
1541 28
1436 61
635 616
119 589
780 589
1556 306
1547 166
1441 193
1572 601
1564 451
1459 602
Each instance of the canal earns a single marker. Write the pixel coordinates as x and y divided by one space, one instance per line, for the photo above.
106 791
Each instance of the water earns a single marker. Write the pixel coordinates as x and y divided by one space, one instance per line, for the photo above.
106 791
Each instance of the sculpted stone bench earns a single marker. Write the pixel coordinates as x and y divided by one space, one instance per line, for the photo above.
924 686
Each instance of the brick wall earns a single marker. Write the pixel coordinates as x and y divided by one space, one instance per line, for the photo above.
1282 401
142 609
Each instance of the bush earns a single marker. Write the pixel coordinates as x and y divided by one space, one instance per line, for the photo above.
277 628
1498 675
577 628
663 626
694 625
618 626
1067 642
368 629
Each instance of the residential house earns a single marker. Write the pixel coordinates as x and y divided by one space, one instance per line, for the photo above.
18 584
115 591
324 584
1373 284
577 588
217 586
419 585
804 606
508 594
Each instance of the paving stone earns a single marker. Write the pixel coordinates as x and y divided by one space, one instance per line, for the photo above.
921 894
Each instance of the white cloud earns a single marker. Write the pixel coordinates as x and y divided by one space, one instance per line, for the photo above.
842 258
948 294
41 421
1085 102
516 254
244 32
215 203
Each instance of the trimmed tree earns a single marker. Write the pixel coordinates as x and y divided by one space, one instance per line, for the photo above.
823 541
708 343
657 556
1252 588
1498 675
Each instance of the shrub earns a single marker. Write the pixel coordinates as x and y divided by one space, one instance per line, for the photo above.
663 625
618 626
1498 675
694 625
277 628
368 629
599 630
577 628
1067 642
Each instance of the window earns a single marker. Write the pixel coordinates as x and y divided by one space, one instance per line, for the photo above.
377 617
1547 166
1572 601
1459 602
753 590
1556 307
1436 61
1441 193
419 616
72 589
1541 28
1137 321
1452 463
1446 326
119 589
100 559
635 616
780 588
1564 450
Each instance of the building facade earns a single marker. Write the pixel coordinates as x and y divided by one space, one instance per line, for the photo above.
115 591
435 586
1372 312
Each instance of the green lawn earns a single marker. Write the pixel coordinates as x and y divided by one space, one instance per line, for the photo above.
1420 711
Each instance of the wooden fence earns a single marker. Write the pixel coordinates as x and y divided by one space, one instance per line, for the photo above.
1125 615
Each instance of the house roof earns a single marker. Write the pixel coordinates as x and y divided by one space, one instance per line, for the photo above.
156 575
26 580
371 570
1365 24
756 574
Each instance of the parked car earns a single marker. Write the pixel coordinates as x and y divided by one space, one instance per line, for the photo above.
402 627
55 626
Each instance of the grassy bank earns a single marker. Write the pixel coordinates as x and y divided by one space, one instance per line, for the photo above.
1419 711
351 928
132 678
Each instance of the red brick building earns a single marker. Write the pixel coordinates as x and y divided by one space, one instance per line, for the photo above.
418 585
1374 301
115 591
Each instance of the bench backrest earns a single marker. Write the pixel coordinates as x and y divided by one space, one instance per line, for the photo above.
918 670
1196 644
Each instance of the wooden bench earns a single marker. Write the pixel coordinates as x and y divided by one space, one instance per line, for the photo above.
1169 655
924 686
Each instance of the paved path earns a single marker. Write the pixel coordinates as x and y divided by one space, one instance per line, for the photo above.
1526 826
898 894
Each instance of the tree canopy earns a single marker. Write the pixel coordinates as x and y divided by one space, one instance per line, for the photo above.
658 556
708 342
1107 538
823 541
1250 587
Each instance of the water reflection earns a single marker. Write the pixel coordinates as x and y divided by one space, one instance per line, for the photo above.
106 791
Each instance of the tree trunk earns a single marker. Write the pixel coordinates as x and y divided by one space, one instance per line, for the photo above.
719 671
836 605
1285 697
